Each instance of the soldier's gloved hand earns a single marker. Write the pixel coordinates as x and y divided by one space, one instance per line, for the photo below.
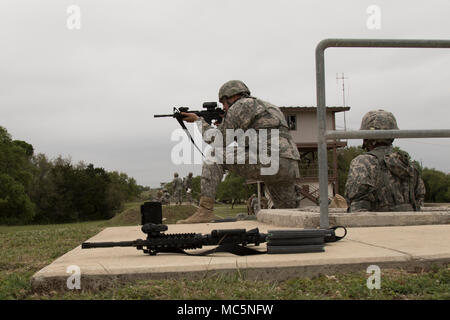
189 117
217 122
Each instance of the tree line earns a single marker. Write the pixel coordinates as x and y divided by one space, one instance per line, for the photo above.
34 189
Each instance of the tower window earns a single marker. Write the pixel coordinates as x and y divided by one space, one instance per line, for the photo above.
291 122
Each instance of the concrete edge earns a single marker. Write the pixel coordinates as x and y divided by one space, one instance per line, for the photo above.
102 281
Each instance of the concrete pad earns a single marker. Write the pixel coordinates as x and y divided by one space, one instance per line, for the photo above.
405 247
309 217
419 242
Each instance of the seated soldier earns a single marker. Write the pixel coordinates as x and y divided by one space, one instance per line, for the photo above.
383 179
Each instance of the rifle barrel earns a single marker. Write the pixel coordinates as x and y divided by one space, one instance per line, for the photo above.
162 115
89 245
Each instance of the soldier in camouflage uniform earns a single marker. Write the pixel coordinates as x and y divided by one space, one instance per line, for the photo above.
382 179
243 111
188 187
177 185
249 204
166 197
159 195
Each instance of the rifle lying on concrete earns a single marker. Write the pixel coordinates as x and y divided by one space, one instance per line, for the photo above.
211 113
227 240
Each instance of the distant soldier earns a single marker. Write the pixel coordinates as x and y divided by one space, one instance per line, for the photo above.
159 196
382 179
254 205
177 185
166 197
249 204
188 187
264 203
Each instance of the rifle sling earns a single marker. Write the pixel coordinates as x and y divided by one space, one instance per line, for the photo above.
241 250
180 121
235 249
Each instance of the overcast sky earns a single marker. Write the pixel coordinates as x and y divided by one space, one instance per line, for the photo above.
91 93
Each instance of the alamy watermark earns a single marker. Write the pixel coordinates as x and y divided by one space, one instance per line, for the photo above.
374 20
73 21
253 146
374 280
74 280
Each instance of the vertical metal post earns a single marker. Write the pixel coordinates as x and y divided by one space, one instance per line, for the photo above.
322 143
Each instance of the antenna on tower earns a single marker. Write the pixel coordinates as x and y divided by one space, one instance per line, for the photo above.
343 95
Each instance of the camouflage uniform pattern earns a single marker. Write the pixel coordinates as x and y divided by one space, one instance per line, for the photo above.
383 180
188 187
249 204
165 199
254 205
252 113
188 182
177 185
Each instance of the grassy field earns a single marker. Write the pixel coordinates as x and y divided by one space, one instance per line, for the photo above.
27 249
225 211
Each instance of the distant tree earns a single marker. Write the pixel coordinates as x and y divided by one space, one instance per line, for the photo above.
64 192
28 148
15 178
42 189
233 189
437 185
15 206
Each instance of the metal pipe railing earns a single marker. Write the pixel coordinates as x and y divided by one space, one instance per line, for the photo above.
387 134
323 135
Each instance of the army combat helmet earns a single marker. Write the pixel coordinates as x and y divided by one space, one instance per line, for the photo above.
378 120
232 87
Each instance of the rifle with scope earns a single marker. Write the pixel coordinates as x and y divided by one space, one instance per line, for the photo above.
157 241
211 113
227 240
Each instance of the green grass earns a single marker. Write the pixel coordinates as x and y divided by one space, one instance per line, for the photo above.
27 249
225 211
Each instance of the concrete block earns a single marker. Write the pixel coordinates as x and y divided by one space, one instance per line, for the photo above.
309 217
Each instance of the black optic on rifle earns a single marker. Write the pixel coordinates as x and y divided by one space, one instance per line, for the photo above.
210 105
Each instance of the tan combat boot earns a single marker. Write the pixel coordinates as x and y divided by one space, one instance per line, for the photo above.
204 212
338 202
